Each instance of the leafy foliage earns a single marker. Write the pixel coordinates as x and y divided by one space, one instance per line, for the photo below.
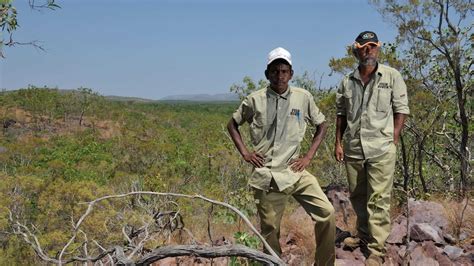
245 239
69 147
9 22
436 41
248 87
118 147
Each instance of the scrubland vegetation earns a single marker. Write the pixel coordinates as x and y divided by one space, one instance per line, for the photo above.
62 149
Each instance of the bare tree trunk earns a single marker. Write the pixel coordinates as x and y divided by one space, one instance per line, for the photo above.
82 116
420 164
406 175
463 147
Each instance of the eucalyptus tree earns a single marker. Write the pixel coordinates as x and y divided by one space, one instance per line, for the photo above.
9 22
437 40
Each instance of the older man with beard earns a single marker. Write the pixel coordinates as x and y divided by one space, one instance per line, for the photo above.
372 106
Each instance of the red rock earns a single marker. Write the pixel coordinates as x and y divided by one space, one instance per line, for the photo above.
398 232
418 257
424 231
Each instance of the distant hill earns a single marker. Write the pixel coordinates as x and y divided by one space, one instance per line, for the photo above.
128 99
226 97
221 97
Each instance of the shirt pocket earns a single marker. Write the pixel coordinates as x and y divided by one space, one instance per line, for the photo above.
257 129
348 101
383 100
294 128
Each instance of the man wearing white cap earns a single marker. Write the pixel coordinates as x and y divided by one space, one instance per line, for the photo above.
277 116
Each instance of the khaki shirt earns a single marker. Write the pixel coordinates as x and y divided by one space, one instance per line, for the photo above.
277 127
369 111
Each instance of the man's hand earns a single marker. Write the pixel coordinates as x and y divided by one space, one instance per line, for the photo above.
299 164
256 159
339 153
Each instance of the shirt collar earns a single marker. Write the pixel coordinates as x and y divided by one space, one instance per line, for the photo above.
273 94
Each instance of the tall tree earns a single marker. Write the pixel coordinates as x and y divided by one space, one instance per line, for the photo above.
438 40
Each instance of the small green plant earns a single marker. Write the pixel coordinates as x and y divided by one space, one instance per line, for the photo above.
247 240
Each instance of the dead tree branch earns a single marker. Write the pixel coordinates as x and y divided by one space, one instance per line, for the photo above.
92 203
167 251
208 252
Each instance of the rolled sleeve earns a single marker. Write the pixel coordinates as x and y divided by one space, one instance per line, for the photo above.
315 117
340 104
243 113
399 96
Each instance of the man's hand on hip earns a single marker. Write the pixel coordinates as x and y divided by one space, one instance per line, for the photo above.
299 164
254 158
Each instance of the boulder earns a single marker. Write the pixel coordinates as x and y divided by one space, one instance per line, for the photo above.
449 238
347 262
434 252
398 232
453 252
411 246
354 256
419 257
402 251
465 260
392 256
424 231
427 212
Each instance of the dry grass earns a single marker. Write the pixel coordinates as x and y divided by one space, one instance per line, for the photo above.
25 125
461 217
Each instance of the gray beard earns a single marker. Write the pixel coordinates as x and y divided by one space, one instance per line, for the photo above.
368 61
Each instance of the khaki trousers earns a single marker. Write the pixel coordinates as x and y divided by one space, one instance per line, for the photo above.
271 205
370 186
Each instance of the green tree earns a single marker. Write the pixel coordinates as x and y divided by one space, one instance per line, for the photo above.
305 81
87 99
438 40
40 102
248 87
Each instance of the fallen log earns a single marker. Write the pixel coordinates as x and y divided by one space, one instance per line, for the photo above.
208 252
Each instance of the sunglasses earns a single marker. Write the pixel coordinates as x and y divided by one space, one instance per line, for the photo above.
358 46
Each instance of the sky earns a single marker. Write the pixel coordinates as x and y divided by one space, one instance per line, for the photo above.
157 48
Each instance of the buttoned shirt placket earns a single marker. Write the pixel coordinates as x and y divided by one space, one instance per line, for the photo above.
278 125
367 91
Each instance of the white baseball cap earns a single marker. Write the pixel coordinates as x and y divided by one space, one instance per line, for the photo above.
278 53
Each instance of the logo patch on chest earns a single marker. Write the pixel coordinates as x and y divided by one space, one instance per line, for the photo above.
295 112
383 85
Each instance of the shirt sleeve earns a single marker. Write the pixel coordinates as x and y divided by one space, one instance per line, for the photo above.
244 113
340 103
314 116
399 95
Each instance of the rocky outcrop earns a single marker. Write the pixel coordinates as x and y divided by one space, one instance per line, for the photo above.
423 239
